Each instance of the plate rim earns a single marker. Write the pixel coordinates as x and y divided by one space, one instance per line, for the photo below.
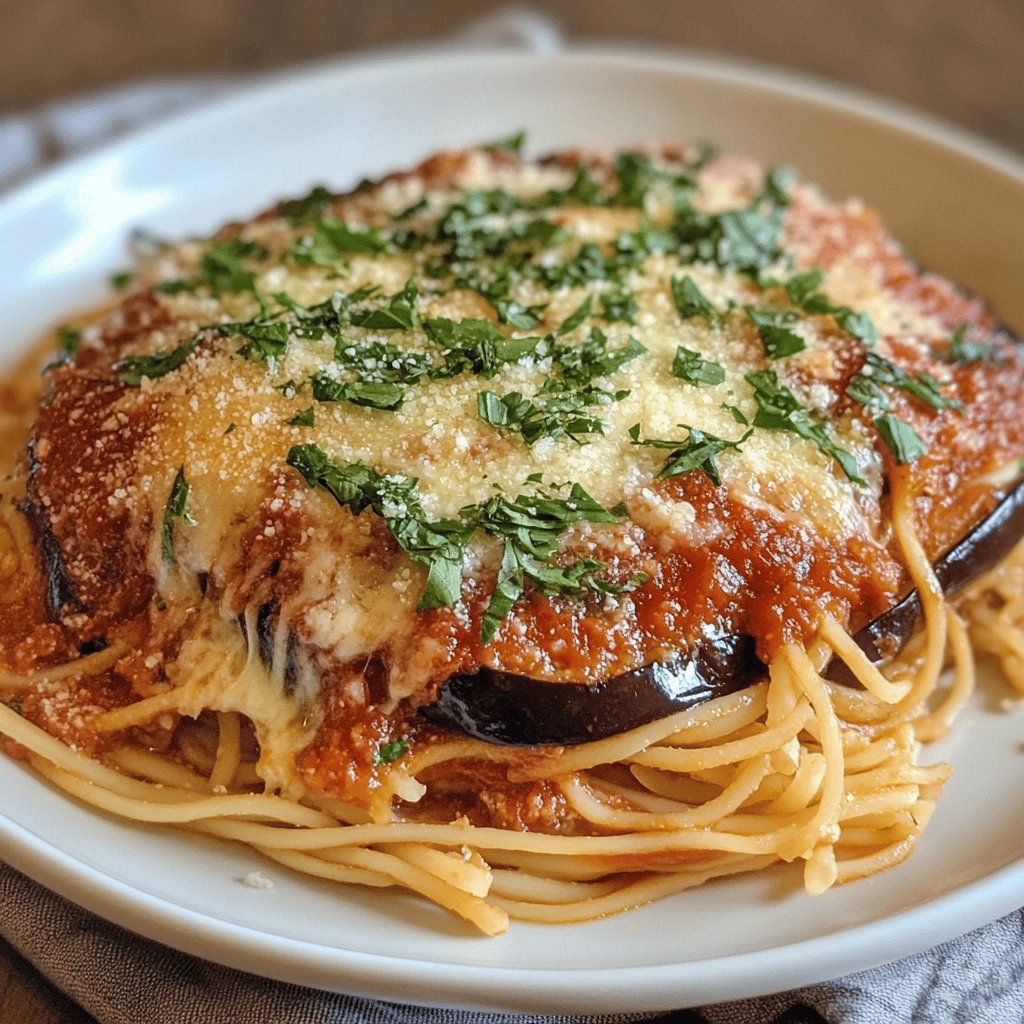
647 988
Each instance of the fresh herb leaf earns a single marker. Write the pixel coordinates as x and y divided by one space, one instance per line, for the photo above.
476 346
132 369
176 508
697 450
302 419
857 324
440 545
867 391
398 315
266 340
121 280
963 351
902 439
690 300
332 240
777 184
366 393
379 361
695 369
524 318
618 306
774 326
388 753
637 173
510 144
308 208
551 417
531 526
923 386
574 320
737 414
588 265
69 340
802 290
779 409
580 364
747 239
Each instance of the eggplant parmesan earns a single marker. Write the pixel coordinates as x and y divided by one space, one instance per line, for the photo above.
542 536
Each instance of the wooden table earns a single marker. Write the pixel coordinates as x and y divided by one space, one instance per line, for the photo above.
960 61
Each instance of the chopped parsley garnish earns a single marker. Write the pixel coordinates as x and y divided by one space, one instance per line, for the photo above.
510 144
440 545
879 372
868 392
367 393
584 191
779 409
618 306
577 318
637 173
327 317
69 340
266 340
559 415
222 269
737 414
690 300
580 364
857 324
963 351
745 239
132 369
530 526
525 318
901 438
695 369
777 184
802 290
176 508
399 314
379 361
388 753
475 346
306 418
589 264
332 240
121 280
308 208
775 328
697 451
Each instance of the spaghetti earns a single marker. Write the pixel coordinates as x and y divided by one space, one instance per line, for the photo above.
253 669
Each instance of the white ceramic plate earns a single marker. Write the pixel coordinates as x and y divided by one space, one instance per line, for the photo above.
959 205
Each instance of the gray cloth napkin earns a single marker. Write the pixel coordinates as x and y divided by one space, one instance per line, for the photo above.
121 978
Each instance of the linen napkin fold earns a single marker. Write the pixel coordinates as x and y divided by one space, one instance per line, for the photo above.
121 978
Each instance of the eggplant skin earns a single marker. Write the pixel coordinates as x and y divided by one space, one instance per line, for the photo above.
986 544
267 616
501 707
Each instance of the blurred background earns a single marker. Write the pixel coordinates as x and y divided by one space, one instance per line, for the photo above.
961 60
